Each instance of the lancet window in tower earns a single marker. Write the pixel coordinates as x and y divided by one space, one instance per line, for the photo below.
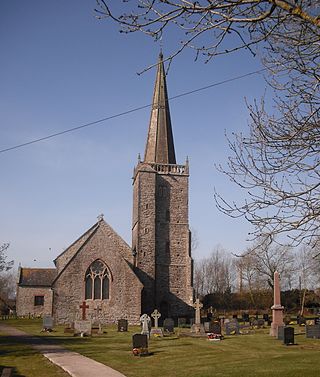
97 281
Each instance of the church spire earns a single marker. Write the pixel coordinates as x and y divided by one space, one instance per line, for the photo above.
160 147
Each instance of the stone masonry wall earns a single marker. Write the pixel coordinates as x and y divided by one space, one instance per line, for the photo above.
25 301
125 287
162 240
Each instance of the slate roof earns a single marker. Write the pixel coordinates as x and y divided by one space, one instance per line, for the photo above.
160 147
40 277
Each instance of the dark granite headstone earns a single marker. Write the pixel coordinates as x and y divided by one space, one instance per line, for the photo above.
122 325
266 317
215 327
301 320
168 325
140 344
288 337
234 316
245 317
313 331
139 341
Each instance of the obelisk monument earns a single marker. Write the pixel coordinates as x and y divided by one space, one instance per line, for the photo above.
277 309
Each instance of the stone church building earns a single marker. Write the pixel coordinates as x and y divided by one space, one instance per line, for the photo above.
113 279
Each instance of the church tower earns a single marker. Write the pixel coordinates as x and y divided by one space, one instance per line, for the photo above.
160 227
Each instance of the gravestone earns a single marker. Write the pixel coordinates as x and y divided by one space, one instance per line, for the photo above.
266 317
207 326
145 321
288 335
168 326
197 328
258 323
156 331
280 334
317 321
301 320
245 317
84 307
140 344
182 322
82 328
47 323
122 325
155 315
215 327
232 327
313 331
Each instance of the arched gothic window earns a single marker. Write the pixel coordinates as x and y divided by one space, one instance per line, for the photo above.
97 281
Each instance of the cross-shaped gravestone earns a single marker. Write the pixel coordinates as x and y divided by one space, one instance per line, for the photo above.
197 305
155 315
84 306
145 320
97 310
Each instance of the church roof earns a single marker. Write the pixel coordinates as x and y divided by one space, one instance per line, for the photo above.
65 258
160 146
37 276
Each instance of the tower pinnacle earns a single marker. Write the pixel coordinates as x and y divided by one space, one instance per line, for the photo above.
160 147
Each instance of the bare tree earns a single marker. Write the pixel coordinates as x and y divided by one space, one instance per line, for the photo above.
263 259
214 274
4 264
277 164
250 21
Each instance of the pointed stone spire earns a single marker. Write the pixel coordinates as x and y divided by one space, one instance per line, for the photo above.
160 147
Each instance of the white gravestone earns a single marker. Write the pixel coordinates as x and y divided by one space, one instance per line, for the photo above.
145 321
156 331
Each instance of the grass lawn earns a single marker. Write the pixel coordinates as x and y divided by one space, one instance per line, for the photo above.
25 361
256 354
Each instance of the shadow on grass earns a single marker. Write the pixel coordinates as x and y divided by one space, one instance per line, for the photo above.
14 371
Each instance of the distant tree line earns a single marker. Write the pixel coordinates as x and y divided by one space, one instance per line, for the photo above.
242 282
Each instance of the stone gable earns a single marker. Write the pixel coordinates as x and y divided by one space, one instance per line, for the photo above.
125 288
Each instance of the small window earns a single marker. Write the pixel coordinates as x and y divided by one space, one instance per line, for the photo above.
38 300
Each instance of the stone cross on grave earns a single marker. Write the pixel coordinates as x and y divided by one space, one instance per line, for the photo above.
155 315
97 310
84 306
197 305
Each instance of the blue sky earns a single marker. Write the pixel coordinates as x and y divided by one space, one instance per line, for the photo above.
60 67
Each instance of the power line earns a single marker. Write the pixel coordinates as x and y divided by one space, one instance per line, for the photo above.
127 112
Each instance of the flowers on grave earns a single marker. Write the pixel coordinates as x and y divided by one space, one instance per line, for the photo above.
212 336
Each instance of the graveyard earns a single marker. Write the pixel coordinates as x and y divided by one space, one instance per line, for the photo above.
249 353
